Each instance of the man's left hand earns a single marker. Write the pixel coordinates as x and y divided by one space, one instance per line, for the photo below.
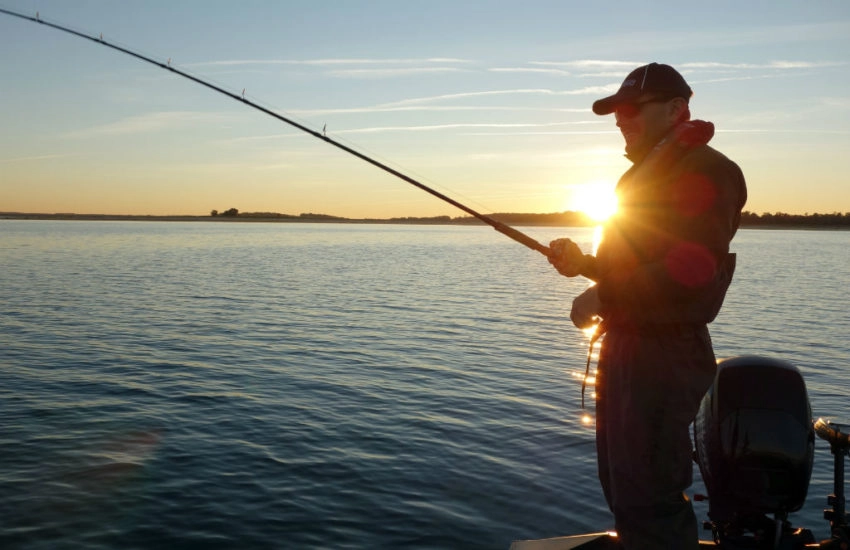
586 308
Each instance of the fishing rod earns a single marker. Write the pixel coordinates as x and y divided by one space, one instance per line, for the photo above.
507 230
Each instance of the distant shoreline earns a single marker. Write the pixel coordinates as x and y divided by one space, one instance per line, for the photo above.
564 219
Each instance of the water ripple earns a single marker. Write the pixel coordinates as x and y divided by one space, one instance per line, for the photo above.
331 386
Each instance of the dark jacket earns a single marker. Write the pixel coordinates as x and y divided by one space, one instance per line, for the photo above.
664 258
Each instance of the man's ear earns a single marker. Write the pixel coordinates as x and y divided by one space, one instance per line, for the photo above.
678 110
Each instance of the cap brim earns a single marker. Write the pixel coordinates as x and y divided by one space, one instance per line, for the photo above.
606 105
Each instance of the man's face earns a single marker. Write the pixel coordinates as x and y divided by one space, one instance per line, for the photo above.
645 121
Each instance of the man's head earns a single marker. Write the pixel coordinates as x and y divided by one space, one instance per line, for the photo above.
652 99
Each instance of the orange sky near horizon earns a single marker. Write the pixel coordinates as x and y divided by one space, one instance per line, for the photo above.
494 114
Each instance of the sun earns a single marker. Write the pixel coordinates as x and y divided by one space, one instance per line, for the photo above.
596 200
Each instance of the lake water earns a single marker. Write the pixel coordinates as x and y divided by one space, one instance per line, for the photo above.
251 385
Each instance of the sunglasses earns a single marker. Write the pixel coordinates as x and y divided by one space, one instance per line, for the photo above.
633 108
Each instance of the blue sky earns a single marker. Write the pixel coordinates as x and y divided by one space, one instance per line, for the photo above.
489 102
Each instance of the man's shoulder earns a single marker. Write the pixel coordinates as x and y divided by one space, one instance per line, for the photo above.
708 160
720 169
706 154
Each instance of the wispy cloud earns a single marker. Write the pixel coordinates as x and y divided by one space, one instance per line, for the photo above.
329 61
431 108
768 34
389 72
559 128
455 126
530 70
34 157
484 93
353 67
835 102
147 123
618 68
779 65
591 64
437 103
544 133
367 68
774 131
732 37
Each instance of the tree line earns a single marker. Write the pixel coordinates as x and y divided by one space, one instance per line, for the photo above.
567 218
836 219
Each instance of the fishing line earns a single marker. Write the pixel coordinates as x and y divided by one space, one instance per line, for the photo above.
506 230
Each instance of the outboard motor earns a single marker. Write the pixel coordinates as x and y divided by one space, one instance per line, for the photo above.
755 447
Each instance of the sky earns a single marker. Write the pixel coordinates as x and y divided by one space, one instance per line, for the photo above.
487 102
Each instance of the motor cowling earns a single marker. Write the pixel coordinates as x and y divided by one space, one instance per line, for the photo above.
754 439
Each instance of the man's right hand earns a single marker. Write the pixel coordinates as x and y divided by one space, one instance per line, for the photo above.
566 257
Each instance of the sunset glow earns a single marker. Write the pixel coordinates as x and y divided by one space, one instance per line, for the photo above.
596 200
492 105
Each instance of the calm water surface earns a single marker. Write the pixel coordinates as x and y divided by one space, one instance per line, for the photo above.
215 385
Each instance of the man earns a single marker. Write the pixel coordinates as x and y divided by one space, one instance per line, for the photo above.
661 273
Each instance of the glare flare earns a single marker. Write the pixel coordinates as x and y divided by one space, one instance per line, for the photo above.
596 200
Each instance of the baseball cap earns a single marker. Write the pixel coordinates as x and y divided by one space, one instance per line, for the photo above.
655 78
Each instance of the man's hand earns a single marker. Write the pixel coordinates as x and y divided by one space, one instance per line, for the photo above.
586 307
567 257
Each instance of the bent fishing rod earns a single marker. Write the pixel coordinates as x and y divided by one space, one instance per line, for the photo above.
507 230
